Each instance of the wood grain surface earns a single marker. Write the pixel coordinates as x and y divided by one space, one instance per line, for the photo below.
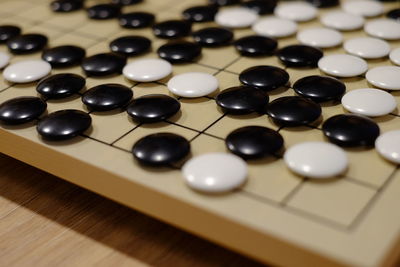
45 221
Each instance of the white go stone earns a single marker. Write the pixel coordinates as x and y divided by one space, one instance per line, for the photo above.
388 146
395 56
316 159
275 27
193 84
147 70
26 71
320 37
236 17
365 8
342 21
369 102
215 172
386 77
297 11
4 59
342 65
387 29
367 47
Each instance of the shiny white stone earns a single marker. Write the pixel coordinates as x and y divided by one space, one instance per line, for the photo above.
369 102
297 11
342 21
367 47
215 172
275 27
26 71
387 29
365 8
316 159
147 70
4 59
320 37
193 84
388 146
395 56
386 77
236 17
341 65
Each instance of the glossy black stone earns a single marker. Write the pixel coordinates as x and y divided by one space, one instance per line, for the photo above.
179 52
255 45
224 2
66 5
27 43
153 108
64 56
266 78
394 14
242 100
254 142
136 20
300 56
103 11
21 110
261 6
324 3
130 45
171 29
293 111
350 130
125 2
60 85
200 13
320 88
64 124
106 97
8 32
103 64
213 36
161 149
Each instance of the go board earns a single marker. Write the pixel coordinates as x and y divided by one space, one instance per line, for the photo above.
276 217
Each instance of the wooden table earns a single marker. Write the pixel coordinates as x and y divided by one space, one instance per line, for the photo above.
45 221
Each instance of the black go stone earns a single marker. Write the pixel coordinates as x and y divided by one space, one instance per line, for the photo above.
27 43
179 52
262 7
320 88
21 110
153 108
242 100
64 124
107 97
324 3
125 2
103 11
103 64
200 13
161 149
66 5
350 130
171 29
130 45
64 56
266 78
254 142
136 20
293 111
394 14
8 32
224 2
213 36
255 45
60 85
300 56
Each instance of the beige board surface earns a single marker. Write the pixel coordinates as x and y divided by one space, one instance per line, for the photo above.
276 217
